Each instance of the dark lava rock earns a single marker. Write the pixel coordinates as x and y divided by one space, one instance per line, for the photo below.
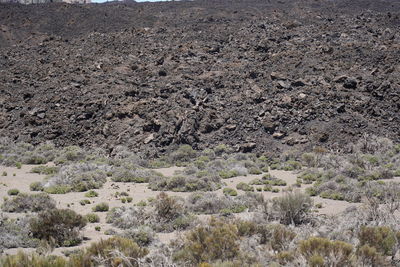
156 75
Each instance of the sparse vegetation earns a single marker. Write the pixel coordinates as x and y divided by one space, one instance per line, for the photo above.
101 207
28 202
59 225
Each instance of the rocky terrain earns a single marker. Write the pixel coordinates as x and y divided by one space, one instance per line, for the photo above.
259 75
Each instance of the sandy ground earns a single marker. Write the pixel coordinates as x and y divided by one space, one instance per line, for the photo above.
22 178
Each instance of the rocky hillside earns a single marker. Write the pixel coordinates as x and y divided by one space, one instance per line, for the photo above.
260 75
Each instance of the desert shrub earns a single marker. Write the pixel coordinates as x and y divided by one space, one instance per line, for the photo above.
57 189
12 153
47 170
13 192
101 207
24 202
309 159
15 233
280 237
115 251
221 149
184 153
310 175
165 215
225 174
187 183
383 239
70 153
292 208
323 252
60 225
244 187
369 256
84 202
143 235
92 217
78 177
125 218
211 203
246 228
271 180
215 241
33 260
229 191
291 165
166 207
91 193
134 175
36 186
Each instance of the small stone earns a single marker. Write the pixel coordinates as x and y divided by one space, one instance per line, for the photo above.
248 147
149 138
278 135
230 127
277 76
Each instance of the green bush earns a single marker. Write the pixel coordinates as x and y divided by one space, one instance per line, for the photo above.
101 207
134 175
184 153
215 241
22 259
166 207
47 170
323 252
281 236
369 256
116 251
92 218
84 202
292 208
13 192
225 174
245 187
230 192
57 189
18 165
36 186
24 202
383 239
91 193
60 225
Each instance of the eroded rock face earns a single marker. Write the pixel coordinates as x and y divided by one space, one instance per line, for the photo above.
259 75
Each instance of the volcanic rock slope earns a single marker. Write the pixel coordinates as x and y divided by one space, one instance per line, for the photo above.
259 75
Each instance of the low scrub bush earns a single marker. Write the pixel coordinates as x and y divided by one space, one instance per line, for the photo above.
25 202
230 192
323 252
187 183
36 186
143 235
60 225
244 187
134 175
292 208
215 241
91 193
77 177
47 170
116 251
92 218
101 207
15 233
13 192
383 239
